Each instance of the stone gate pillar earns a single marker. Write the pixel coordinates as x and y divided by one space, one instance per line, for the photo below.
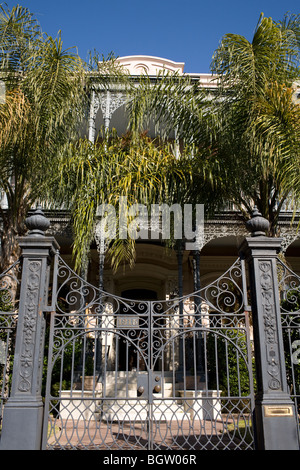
275 423
23 412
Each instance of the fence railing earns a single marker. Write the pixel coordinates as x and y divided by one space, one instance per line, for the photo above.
289 291
275 316
9 300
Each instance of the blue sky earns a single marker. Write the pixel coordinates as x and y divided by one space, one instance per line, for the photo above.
181 30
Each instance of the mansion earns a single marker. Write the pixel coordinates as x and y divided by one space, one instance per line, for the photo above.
158 354
160 273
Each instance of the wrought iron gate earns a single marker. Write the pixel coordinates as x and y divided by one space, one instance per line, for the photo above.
147 374
289 291
128 374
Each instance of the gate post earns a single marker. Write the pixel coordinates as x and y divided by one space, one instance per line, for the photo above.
274 416
23 412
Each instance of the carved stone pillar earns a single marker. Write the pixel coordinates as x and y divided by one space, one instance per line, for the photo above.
275 422
23 412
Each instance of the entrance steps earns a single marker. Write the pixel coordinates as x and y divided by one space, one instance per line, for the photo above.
121 400
141 410
117 399
130 391
126 384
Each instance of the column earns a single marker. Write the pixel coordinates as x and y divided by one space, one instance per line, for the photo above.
198 317
101 248
23 412
105 106
181 339
274 415
94 107
110 101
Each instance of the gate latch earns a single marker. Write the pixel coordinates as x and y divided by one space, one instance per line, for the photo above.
157 384
142 385
143 381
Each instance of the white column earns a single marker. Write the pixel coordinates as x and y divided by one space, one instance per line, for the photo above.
94 106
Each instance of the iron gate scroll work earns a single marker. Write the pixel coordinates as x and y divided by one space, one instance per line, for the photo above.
128 374
289 290
9 300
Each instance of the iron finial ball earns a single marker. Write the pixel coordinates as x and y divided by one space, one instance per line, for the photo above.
37 223
257 225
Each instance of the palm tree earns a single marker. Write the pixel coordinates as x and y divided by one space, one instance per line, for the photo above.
42 108
129 168
257 119
246 135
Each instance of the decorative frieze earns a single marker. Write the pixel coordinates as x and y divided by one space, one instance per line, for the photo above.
288 234
213 230
29 326
108 101
270 326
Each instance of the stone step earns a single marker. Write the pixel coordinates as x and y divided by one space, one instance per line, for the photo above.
141 402
131 377
116 412
129 390
142 417
112 390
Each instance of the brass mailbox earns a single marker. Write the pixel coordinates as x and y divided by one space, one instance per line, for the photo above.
275 410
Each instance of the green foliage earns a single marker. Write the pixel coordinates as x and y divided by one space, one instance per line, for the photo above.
68 363
258 121
136 168
6 304
245 133
44 85
47 89
227 362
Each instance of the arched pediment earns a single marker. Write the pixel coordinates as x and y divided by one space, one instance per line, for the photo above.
143 64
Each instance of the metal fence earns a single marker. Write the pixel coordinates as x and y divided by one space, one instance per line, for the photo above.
289 289
128 374
95 371
9 298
